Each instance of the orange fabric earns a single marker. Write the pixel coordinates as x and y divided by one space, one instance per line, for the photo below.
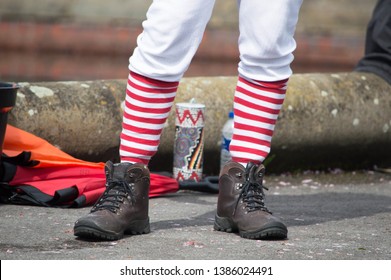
17 140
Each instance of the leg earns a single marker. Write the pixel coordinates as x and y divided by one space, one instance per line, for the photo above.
377 58
266 44
172 33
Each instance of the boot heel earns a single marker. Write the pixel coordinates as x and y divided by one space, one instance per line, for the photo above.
224 224
139 227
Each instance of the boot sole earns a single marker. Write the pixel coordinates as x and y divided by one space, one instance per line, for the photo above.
90 232
273 231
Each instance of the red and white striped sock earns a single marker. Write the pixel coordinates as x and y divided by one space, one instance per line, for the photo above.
147 105
256 108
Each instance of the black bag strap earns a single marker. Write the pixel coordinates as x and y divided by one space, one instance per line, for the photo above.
22 159
29 195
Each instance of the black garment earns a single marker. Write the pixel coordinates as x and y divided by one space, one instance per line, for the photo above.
377 58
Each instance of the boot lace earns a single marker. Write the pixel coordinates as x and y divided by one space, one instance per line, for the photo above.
252 193
115 194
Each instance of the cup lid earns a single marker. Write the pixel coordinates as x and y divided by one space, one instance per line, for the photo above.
190 105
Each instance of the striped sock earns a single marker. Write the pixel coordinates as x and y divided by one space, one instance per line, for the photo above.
147 105
256 108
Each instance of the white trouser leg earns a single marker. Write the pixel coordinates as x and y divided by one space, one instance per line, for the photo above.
172 33
266 38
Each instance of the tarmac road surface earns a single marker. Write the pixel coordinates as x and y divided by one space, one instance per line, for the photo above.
330 216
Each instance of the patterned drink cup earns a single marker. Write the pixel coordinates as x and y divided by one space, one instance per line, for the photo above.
189 141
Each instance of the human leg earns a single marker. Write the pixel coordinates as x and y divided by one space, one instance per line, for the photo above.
172 33
377 57
266 44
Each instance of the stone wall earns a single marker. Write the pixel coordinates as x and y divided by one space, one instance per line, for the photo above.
327 121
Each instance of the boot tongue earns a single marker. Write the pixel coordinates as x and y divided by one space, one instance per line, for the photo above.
254 194
116 171
109 169
116 187
252 178
252 174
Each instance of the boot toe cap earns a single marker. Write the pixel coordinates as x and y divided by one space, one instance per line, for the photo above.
273 229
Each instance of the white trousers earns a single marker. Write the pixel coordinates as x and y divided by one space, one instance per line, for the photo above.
173 31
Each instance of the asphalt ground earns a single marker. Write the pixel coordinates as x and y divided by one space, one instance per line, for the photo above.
330 216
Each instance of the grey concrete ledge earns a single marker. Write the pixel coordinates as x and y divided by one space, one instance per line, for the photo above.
328 120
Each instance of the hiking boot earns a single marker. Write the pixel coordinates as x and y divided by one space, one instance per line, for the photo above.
122 208
240 205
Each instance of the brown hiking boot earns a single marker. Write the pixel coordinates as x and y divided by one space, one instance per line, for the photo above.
240 206
122 208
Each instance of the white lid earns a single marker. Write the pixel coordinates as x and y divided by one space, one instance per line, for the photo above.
190 105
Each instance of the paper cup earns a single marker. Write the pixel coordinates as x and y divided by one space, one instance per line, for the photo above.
189 141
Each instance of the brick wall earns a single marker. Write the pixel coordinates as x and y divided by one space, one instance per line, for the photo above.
75 42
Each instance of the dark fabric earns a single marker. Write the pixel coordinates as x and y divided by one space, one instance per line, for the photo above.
377 58
30 195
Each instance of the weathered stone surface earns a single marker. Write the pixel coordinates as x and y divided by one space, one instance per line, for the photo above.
81 118
328 120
